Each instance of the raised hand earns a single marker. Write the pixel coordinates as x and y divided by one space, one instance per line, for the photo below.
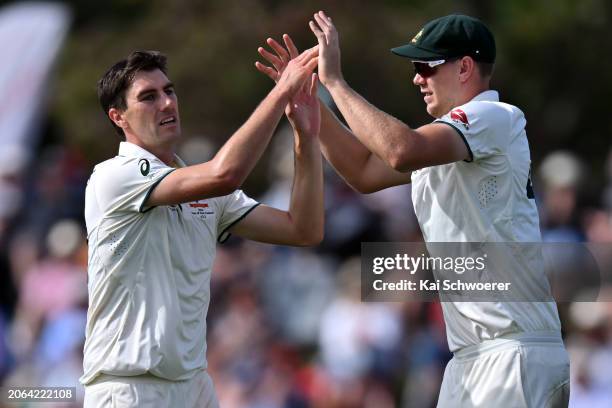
303 110
280 60
329 48
297 71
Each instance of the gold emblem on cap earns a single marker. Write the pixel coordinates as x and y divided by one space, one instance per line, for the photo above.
416 37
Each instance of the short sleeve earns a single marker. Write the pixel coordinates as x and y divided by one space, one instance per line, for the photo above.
234 207
125 186
484 127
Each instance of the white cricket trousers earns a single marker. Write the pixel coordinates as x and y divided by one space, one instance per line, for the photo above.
527 370
108 391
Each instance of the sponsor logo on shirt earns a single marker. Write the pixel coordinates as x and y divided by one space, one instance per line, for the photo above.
200 209
144 166
459 116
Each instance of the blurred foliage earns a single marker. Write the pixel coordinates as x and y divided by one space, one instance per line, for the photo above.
553 62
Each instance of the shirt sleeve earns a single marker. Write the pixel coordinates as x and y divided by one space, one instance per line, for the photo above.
126 186
484 127
234 207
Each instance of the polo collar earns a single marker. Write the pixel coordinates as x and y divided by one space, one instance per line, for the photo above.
490 95
128 149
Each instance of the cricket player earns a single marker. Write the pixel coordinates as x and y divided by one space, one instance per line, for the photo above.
470 175
153 224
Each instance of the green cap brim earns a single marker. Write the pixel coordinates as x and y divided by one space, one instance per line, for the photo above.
416 53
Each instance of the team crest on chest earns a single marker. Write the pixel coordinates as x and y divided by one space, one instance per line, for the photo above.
459 116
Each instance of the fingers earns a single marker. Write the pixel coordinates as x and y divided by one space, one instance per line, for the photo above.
308 54
322 22
317 32
271 72
314 85
327 21
306 87
282 53
312 64
271 58
293 51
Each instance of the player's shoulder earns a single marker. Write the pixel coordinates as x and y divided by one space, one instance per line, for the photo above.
491 107
482 114
110 167
483 109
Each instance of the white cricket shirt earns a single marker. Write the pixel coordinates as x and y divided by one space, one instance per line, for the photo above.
486 199
149 270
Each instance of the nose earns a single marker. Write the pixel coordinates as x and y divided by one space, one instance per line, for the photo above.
418 80
168 101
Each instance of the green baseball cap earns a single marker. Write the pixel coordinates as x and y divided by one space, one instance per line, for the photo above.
451 36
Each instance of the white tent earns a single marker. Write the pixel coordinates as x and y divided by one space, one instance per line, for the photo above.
31 35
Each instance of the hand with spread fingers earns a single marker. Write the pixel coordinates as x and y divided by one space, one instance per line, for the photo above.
297 71
303 110
279 60
329 48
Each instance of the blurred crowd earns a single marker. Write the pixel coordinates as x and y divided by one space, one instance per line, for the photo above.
286 326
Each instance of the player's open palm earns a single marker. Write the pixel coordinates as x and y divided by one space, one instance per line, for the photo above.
329 48
279 60
298 71
303 110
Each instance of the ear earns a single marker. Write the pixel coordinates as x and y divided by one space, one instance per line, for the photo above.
118 118
466 69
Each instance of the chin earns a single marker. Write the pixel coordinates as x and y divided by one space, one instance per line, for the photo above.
433 111
172 135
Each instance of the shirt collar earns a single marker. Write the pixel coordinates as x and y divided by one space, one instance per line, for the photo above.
490 95
128 149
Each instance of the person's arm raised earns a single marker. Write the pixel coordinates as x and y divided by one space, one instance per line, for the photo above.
235 160
395 143
362 170
303 223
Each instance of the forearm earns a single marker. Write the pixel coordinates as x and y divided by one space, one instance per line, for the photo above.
243 150
306 209
347 155
387 137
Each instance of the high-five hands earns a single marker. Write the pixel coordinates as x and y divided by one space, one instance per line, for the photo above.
303 109
297 71
329 49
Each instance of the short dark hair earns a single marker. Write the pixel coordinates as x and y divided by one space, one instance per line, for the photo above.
114 83
485 69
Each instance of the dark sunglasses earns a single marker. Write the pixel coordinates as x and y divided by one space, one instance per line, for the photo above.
428 68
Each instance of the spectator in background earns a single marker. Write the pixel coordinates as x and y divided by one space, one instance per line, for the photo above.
47 333
561 175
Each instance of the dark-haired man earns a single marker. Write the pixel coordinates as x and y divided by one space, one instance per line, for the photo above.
469 171
153 223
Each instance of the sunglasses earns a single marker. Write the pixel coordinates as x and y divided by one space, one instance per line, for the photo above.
428 68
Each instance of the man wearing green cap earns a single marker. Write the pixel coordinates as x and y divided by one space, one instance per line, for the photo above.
470 175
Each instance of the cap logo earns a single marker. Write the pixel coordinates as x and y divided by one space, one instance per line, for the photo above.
416 37
459 116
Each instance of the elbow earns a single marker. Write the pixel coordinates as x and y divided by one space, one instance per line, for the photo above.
401 161
363 188
317 238
360 183
311 238
228 180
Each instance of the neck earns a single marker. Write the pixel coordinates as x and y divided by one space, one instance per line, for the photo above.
163 153
471 92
